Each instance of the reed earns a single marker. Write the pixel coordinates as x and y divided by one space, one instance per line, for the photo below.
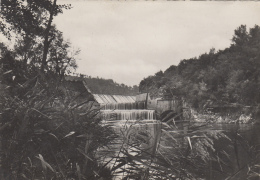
48 132
167 151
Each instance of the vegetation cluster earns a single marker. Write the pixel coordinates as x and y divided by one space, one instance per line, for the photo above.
223 78
46 130
186 151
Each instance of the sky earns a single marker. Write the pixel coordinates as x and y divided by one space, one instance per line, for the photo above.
129 40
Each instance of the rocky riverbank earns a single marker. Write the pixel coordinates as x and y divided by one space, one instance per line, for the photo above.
230 118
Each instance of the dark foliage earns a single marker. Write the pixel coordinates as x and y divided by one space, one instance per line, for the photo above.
224 77
48 130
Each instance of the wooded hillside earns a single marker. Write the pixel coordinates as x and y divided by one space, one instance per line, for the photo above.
227 76
105 86
108 86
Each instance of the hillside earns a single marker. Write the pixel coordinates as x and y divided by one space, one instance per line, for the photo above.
229 76
106 86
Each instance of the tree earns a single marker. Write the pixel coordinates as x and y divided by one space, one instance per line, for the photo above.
241 36
31 19
46 131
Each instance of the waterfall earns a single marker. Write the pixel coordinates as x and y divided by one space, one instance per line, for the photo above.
117 107
133 114
123 106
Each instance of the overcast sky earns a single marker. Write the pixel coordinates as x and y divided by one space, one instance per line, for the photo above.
127 41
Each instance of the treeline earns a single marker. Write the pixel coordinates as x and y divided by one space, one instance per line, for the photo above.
104 86
109 87
229 76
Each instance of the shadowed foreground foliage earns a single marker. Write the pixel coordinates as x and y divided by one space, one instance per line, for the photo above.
185 151
47 131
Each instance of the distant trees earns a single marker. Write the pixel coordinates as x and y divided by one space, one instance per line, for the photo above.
108 86
227 76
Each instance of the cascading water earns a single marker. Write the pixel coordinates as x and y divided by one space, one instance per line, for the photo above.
124 106
128 118
117 107
126 111
134 114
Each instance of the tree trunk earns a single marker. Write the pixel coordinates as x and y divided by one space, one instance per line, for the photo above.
46 37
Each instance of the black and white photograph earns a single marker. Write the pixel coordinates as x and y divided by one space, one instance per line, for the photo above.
129 90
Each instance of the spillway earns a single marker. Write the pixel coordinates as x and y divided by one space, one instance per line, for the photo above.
117 107
133 114
124 106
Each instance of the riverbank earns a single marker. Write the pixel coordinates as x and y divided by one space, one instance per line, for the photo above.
230 118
